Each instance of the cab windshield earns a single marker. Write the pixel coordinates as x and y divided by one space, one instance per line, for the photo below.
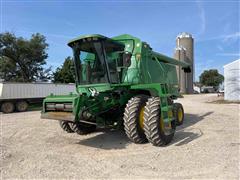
96 62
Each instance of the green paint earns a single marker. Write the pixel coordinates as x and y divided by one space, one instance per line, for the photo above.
110 71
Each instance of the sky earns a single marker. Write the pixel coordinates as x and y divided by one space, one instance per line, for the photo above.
215 25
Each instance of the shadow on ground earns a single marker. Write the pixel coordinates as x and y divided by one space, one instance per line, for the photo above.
107 139
116 139
183 135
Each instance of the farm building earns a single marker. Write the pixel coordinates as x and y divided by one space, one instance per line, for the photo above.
232 81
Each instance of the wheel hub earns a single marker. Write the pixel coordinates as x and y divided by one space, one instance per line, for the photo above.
180 115
141 119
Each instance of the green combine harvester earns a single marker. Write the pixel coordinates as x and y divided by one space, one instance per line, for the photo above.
120 81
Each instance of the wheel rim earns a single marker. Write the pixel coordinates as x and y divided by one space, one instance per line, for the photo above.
161 124
141 119
180 115
8 107
22 106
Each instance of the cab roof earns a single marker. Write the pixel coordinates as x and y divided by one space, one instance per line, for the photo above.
92 37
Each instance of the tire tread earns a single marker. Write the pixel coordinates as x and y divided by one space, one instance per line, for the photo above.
152 129
130 118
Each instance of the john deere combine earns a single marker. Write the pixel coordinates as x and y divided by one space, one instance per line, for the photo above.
120 80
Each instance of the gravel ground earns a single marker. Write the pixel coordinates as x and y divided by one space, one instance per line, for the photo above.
206 146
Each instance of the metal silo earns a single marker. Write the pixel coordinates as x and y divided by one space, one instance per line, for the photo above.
180 54
185 41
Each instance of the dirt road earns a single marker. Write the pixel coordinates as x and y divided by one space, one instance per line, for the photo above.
206 146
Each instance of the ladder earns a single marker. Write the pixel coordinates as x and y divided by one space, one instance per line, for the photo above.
166 109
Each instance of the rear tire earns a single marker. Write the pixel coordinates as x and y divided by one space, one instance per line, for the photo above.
7 107
82 128
21 106
133 119
65 126
154 128
178 113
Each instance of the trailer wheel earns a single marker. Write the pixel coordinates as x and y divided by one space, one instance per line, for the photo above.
82 128
65 126
21 106
133 119
154 128
7 107
178 113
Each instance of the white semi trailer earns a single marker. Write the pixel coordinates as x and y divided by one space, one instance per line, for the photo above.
17 96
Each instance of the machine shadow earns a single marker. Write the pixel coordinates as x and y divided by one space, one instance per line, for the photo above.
107 139
184 134
116 139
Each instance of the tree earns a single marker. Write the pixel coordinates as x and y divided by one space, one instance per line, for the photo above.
22 60
211 78
65 73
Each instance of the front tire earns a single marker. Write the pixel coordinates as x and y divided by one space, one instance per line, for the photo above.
66 126
156 132
133 119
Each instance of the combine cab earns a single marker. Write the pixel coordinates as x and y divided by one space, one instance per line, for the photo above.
120 80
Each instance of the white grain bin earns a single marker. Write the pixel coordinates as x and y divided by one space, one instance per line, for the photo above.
232 81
